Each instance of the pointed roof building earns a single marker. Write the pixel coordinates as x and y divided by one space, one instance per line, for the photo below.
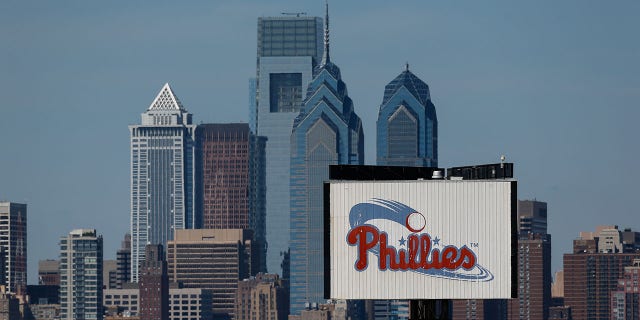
166 100
407 126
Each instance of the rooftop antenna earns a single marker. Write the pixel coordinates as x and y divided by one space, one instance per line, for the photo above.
325 55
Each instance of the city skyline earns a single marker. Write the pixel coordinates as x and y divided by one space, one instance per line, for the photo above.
550 86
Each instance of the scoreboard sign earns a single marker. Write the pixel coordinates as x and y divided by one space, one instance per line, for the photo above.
430 239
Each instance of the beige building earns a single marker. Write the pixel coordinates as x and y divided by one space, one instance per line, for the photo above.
262 297
212 259
184 303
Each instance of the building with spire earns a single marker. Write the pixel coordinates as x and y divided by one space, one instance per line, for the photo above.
407 135
327 131
407 126
288 49
162 175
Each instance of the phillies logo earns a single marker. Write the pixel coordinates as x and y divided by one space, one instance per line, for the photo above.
418 252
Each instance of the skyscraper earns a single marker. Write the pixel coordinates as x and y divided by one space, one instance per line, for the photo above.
407 126
407 135
81 275
13 244
232 173
154 285
288 49
327 131
162 175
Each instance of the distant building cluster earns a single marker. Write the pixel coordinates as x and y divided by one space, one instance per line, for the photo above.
227 219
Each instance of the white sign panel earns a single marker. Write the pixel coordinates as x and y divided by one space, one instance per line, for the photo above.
432 239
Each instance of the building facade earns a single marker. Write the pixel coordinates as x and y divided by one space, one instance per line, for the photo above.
154 285
625 301
592 272
534 278
162 175
13 245
81 275
534 273
49 272
184 303
407 126
327 131
232 169
288 49
262 297
213 259
123 258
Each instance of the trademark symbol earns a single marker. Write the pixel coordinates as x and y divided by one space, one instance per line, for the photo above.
474 244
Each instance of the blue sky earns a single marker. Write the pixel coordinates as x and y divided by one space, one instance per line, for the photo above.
552 85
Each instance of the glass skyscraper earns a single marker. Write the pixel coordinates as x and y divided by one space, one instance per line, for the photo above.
407 127
162 175
327 131
407 135
288 49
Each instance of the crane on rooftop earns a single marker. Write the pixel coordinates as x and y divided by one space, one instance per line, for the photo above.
297 14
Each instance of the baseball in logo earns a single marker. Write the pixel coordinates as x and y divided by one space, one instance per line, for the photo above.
398 236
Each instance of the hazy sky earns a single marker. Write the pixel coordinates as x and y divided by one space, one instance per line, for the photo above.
552 85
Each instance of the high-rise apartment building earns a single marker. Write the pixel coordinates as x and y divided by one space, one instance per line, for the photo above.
327 131
288 49
163 191
123 258
154 285
534 278
262 297
81 275
625 301
232 167
13 245
212 259
407 126
592 272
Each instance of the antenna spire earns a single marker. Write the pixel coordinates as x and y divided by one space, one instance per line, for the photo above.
325 55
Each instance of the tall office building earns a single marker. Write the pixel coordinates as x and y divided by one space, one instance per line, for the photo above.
288 49
154 284
162 175
407 126
81 275
233 191
327 131
13 245
593 270
123 258
407 135
212 259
